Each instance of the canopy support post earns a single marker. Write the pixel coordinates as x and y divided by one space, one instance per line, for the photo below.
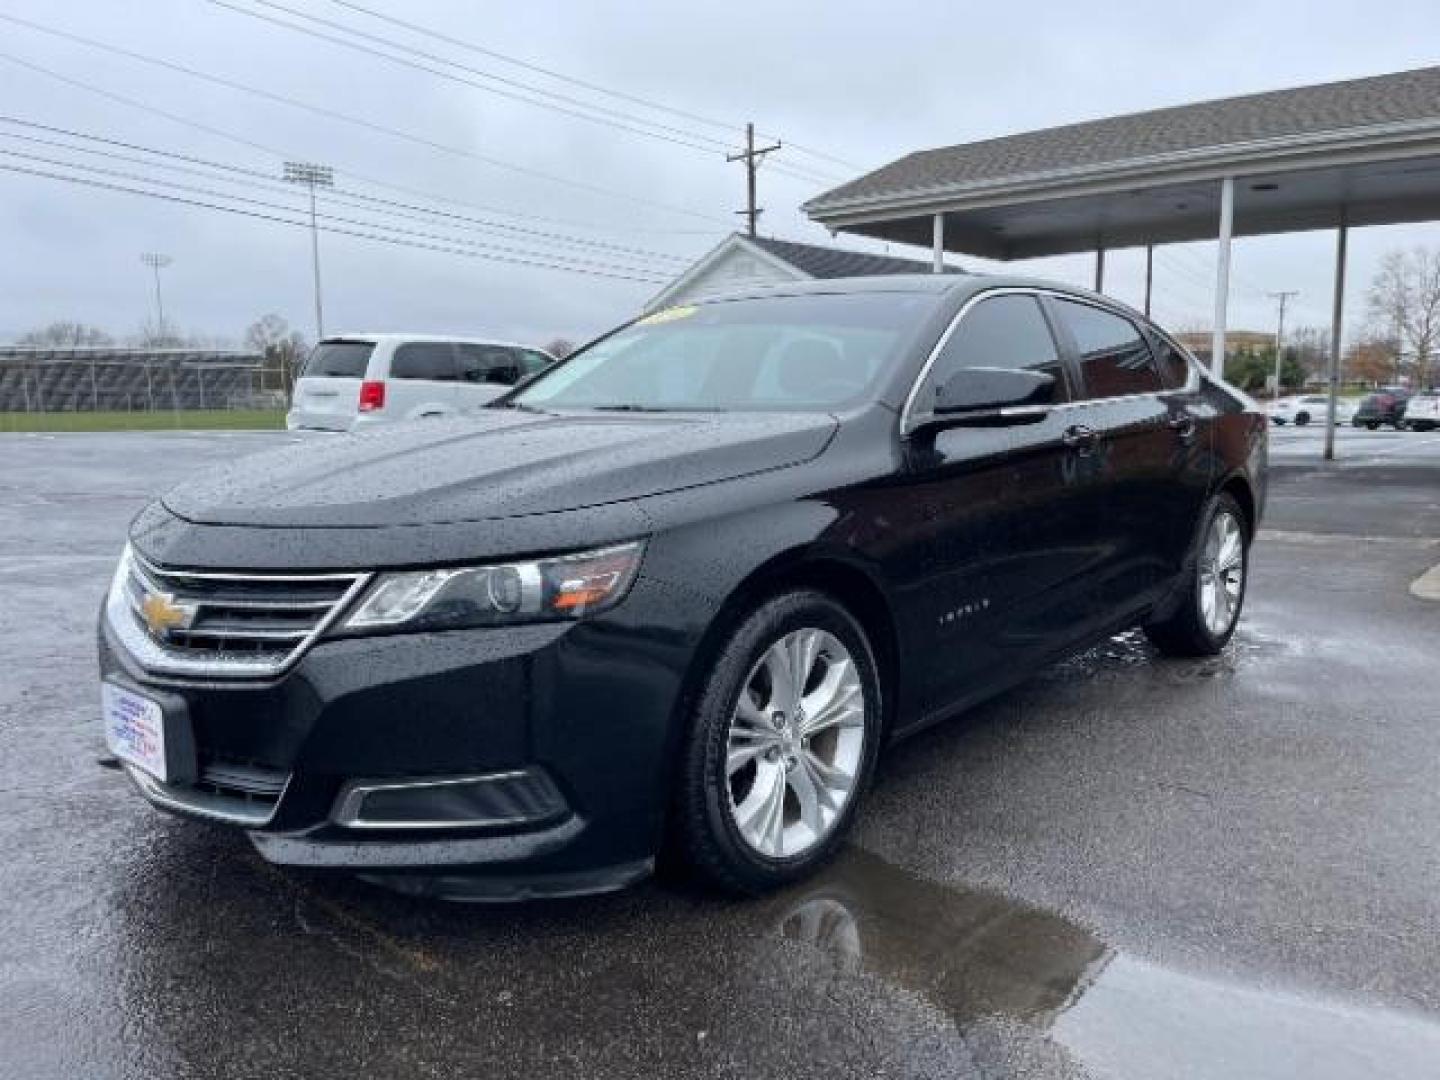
1099 267
1336 318
938 242
1149 275
1222 275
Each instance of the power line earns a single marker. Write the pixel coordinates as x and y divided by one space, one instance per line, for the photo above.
677 136
621 95
212 193
610 118
1236 278
229 136
445 247
333 114
264 181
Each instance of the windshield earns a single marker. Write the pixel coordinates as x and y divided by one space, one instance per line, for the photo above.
339 359
794 353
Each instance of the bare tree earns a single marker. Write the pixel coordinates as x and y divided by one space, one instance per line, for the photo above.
1370 361
283 350
560 348
1404 308
63 334
157 336
1310 346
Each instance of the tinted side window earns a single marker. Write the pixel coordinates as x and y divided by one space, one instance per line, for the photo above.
534 361
339 359
1002 332
491 364
1174 365
1114 358
423 360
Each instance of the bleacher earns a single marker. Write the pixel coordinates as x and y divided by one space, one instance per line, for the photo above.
98 378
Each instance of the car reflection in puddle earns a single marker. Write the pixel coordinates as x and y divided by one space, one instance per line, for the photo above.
980 957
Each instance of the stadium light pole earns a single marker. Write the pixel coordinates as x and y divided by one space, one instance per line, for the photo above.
313 176
157 262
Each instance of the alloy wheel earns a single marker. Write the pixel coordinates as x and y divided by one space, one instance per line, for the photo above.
795 744
1222 573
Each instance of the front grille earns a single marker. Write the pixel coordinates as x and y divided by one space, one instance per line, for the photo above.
221 624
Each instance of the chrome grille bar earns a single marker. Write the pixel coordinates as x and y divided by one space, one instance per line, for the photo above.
225 625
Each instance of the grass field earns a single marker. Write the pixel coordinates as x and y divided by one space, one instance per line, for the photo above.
184 420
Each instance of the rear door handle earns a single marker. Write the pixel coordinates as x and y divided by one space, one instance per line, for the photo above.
1081 438
1183 424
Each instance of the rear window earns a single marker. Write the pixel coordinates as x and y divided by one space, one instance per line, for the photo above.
339 359
431 360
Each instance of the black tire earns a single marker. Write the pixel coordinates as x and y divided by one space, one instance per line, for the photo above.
704 834
1185 631
1301 419
1372 425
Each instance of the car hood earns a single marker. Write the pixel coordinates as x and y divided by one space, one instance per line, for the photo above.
494 464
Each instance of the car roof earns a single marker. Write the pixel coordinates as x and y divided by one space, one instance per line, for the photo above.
395 338
959 286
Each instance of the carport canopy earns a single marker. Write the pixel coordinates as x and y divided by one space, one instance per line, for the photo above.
1360 152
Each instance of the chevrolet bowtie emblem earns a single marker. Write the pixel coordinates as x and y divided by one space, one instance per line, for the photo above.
163 614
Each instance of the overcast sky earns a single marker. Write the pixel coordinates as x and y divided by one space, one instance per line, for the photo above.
862 83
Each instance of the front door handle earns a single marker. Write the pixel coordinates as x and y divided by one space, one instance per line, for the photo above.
1183 424
1081 438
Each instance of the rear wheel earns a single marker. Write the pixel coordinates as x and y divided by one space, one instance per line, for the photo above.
1301 419
783 743
1215 590
1372 425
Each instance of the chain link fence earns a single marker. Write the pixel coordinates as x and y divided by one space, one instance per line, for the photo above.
104 388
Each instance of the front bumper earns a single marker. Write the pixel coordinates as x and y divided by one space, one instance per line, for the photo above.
581 712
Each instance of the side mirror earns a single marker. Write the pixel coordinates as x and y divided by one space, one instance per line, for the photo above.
989 397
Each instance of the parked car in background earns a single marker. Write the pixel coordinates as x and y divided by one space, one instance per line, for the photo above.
1422 412
1310 409
683 585
354 381
1385 407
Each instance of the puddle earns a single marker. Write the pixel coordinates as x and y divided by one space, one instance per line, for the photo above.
978 956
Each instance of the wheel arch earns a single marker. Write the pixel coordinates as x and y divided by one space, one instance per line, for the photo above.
853 587
1238 487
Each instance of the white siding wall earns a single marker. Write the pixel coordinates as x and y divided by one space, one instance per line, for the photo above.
736 269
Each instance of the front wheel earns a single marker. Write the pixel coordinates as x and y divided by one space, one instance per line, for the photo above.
1215 588
1301 419
782 744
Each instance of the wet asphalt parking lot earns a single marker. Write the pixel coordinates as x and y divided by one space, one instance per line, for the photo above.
1128 867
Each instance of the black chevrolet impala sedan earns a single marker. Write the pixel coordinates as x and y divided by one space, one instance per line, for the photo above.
677 592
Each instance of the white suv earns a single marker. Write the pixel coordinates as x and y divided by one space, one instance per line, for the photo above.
1422 412
1310 409
354 381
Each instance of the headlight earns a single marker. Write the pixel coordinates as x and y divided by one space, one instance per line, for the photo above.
566 587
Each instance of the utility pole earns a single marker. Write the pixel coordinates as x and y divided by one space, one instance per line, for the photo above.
752 157
1280 336
313 176
157 262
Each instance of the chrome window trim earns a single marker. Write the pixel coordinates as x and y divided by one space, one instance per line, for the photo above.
908 421
157 659
199 803
351 800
